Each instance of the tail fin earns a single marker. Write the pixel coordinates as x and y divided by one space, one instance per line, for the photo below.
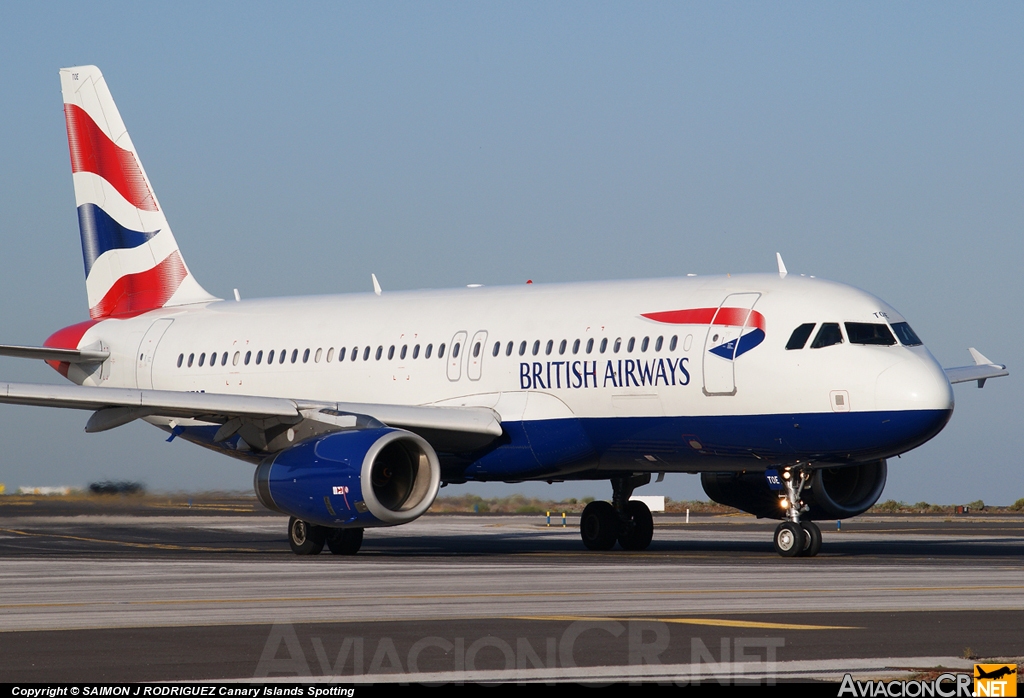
132 262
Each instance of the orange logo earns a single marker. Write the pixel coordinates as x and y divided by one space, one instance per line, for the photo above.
995 680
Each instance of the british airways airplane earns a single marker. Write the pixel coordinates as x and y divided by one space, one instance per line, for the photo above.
785 393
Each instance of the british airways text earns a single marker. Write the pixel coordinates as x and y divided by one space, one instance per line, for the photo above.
617 373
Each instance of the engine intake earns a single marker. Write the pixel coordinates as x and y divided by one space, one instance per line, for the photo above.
832 493
359 478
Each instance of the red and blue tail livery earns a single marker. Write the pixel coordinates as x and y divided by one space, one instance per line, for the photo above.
132 261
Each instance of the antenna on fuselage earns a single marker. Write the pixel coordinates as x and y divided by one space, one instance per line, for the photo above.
376 285
782 265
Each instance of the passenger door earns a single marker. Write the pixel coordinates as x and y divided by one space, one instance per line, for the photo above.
722 339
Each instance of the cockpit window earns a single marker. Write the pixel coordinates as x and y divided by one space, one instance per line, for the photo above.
869 333
828 335
907 336
798 339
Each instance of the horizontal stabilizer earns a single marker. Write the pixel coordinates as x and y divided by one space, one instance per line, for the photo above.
982 370
70 356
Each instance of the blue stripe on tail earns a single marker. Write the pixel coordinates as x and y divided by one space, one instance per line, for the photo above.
101 233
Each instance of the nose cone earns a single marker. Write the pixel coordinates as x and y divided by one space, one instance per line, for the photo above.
915 383
917 396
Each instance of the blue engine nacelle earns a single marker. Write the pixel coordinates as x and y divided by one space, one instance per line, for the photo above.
360 478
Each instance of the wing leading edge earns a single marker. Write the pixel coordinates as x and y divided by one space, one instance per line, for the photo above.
113 407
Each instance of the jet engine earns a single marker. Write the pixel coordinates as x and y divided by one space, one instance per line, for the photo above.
360 478
832 493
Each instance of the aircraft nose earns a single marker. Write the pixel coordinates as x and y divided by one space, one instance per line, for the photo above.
916 383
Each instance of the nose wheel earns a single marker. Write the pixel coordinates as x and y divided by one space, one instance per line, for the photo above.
796 538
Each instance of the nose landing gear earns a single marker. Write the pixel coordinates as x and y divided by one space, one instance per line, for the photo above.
796 538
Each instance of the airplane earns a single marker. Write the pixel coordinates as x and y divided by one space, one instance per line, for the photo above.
785 393
999 673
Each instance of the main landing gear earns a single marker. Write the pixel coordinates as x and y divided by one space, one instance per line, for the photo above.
307 539
602 524
796 538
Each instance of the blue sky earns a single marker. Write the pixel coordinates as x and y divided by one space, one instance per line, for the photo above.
296 148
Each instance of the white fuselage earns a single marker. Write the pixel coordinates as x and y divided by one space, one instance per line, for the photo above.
369 348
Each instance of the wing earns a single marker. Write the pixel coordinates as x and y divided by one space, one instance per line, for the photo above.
446 428
981 371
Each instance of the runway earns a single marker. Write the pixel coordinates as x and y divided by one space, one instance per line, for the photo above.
195 595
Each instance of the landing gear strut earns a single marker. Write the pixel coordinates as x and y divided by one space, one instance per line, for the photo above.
796 538
629 523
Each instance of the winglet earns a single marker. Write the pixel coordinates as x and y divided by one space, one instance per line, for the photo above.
376 286
782 265
979 358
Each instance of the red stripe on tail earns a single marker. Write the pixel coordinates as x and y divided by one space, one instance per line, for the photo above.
93 151
147 290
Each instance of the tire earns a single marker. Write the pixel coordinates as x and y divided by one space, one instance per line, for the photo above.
812 539
599 526
344 541
789 539
640 529
304 538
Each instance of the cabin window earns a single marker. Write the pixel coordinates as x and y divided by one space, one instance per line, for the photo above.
590 345
318 355
366 353
202 358
391 352
604 344
190 358
522 348
907 336
508 349
305 356
658 343
618 345
798 339
259 357
181 357
380 352
248 355
561 347
476 350
673 342
416 352
455 350
536 347
341 355
330 354
224 359
426 354
405 350
270 357
576 347
828 335
869 333
645 343
549 346
440 351
355 353
632 343
236 358
497 349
